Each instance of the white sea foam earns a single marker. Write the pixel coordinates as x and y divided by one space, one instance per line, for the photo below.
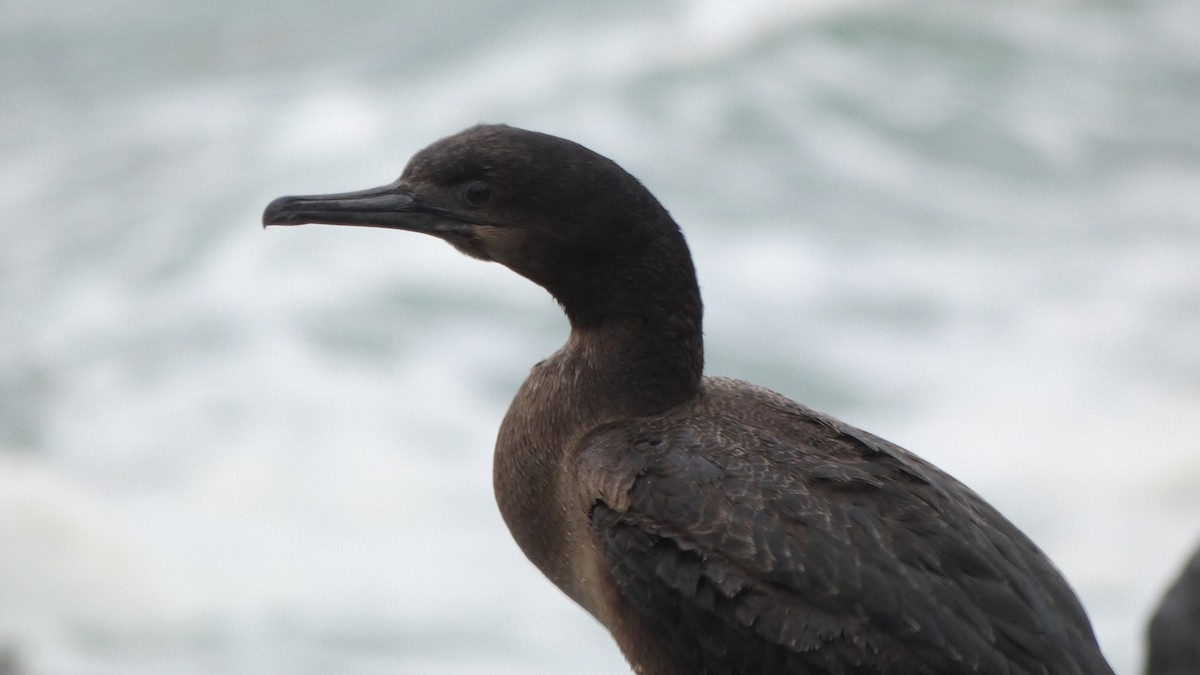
970 230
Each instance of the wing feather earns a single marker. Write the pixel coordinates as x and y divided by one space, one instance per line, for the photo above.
786 542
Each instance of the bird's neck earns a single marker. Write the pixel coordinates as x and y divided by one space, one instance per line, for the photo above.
613 371
636 324
636 367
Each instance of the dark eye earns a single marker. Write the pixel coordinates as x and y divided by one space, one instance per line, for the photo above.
477 193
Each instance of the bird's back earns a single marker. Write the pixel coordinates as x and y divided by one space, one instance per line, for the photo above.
758 536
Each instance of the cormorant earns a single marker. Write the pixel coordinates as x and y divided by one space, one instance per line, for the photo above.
713 526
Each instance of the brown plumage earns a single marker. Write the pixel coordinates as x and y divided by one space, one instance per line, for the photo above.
711 525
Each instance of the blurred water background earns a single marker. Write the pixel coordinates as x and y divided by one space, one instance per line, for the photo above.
972 228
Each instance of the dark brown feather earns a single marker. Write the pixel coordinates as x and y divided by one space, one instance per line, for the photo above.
793 540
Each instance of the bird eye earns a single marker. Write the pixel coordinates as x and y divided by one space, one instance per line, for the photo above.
477 193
